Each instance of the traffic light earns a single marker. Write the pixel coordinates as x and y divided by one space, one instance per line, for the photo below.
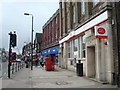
13 40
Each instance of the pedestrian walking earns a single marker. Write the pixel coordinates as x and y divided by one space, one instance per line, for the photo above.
36 62
42 62
27 63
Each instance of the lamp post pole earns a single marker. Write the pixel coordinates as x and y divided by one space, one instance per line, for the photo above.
10 51
31 41
32 46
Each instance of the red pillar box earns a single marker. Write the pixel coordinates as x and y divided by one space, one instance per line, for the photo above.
49 65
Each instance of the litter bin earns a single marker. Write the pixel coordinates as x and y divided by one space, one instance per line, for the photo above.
79 69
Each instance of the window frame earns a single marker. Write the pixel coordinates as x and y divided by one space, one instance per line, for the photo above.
68 49
74 14
82 6
83 47
75 43
95 2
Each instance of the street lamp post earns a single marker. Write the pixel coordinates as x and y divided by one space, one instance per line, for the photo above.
31 41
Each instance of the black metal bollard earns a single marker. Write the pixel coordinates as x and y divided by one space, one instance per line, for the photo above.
16 67
114 78
118 79
12 68
22 65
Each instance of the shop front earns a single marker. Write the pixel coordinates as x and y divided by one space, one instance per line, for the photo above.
92 45
51 52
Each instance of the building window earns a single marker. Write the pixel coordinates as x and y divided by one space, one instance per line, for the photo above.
68 20
62 5
83 8
76 48
56 20
71 62
83 46
68 49
61 27
73 8
49 32
83 50
93 30
52 31
95 2
76 45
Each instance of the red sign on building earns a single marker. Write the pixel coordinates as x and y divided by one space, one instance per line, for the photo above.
100 32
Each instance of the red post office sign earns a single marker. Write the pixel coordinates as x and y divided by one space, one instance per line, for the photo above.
100 32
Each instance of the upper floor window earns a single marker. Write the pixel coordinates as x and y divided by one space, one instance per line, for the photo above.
83 7
62 4
73 8
68 15
68 20
95 2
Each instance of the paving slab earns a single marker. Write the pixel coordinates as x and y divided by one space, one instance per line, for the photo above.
40 78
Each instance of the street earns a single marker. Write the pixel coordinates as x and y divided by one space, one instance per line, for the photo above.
40 78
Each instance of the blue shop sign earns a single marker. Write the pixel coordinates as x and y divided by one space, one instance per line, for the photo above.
53 50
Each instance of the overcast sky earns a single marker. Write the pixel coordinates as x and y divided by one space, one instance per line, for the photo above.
13 19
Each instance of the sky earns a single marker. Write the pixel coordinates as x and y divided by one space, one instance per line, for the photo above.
12 18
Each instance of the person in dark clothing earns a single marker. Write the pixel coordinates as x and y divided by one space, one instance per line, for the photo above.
27 63
42 61
36 62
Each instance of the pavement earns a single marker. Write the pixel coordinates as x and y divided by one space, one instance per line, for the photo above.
40 78
4 68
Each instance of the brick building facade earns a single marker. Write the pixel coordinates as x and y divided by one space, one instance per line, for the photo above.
51 32
50 37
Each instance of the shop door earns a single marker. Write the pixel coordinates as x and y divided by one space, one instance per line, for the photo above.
91 69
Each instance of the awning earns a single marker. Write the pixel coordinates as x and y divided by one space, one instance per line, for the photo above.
52 50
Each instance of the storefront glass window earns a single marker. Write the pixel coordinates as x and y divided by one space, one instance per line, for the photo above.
83 47
68 49
76 45
76 48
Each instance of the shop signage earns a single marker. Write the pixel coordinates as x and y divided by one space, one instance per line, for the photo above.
100 32
53 50
94 22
